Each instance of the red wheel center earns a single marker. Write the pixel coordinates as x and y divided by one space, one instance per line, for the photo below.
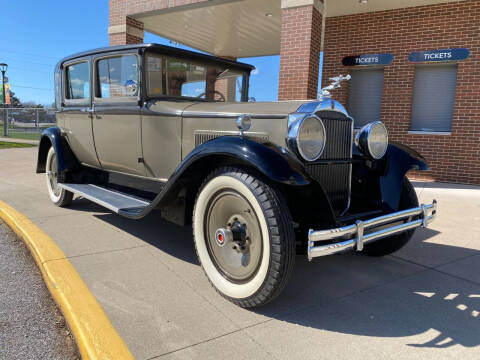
220 238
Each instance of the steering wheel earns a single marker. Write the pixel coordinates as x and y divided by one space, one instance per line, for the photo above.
222 97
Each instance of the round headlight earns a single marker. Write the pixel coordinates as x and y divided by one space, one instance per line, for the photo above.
308 137
373 139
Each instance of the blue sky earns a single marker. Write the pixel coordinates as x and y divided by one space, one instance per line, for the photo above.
36 34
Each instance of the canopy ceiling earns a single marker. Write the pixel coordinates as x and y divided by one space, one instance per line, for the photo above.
244 28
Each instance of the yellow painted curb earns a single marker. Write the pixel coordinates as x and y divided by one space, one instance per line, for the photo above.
95 335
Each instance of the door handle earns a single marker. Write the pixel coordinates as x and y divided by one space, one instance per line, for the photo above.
90 111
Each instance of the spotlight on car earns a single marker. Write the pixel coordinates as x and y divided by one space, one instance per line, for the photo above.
244 122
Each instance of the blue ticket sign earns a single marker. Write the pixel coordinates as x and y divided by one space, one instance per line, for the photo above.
439 55
368 60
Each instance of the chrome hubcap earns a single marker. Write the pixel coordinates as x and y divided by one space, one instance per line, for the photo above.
233 235
223 236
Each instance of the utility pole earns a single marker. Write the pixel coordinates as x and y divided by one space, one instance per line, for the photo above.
3 69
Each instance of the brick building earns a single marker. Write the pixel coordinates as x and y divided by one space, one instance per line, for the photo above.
415 64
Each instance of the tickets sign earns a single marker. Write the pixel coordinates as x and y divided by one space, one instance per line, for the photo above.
439 55
368 60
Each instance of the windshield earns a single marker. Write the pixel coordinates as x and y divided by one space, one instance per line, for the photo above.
168 76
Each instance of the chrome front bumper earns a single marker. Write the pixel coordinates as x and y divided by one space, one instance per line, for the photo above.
356 235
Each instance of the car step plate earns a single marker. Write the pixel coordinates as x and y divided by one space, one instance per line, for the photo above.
111 199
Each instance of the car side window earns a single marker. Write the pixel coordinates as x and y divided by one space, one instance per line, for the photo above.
118 76
175 77
77 81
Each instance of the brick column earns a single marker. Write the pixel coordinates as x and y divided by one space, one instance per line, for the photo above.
122 28
227 86
300 46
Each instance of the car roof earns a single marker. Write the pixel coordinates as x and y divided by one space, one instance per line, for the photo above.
167 50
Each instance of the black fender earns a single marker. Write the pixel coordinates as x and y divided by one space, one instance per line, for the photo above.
399 160
65 158
274 162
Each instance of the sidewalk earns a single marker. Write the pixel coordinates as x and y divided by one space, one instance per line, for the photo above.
21 141
424 302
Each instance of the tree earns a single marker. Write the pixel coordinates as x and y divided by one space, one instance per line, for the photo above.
31 104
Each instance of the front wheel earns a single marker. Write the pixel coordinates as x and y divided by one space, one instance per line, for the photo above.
59 196
243 236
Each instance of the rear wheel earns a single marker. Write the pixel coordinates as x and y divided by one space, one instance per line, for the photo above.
59 196
243 236
396 242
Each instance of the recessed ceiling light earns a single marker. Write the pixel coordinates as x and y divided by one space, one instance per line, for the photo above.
268 14
363 1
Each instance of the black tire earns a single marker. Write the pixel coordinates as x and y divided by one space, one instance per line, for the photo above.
275 230
394 243
59 197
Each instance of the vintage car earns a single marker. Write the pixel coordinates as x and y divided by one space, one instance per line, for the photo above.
144 127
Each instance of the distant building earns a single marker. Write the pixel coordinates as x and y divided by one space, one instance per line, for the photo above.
415 64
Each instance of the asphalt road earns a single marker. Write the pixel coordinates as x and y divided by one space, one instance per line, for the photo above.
31 326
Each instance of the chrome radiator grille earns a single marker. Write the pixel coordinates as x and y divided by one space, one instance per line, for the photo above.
335 177
202 136
339 139
335 180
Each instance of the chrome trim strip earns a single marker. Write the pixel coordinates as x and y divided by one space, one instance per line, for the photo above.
193 114
351 171
160 180
355 232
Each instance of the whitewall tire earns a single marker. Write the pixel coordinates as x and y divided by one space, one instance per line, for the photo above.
243 236
59 197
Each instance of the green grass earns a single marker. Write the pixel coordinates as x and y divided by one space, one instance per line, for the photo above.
8 145
24 135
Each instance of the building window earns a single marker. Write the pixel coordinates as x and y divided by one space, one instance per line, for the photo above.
118 76
433 98
365 99
77 81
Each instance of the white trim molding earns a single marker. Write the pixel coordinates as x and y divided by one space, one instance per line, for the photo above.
130 30
426 132
317 4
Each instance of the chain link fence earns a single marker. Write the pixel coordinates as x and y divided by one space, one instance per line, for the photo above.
26 123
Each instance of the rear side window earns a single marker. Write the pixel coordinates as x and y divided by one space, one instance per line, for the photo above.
118 77
77 81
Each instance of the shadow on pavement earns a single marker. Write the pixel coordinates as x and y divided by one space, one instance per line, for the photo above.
351 293
172 239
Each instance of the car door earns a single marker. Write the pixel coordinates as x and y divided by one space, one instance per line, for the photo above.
116 113
74 116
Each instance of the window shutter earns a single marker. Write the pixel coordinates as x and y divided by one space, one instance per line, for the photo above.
365 99
433 97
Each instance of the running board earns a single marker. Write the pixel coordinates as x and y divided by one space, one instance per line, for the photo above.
116 201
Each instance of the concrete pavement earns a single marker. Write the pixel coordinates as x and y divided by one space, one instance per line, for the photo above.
423 302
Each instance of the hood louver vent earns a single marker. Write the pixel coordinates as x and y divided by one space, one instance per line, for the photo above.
202 136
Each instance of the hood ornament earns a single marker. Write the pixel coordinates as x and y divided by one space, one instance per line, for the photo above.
335 84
